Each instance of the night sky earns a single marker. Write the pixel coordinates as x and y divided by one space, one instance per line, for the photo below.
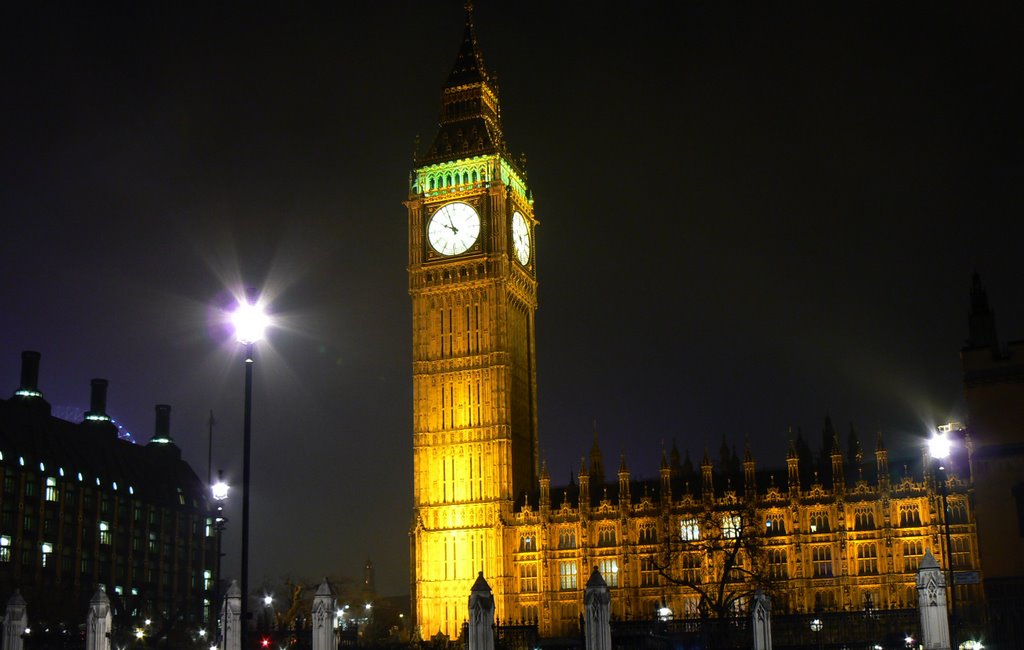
751 216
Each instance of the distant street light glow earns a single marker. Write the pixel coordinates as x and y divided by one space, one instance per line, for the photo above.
220 490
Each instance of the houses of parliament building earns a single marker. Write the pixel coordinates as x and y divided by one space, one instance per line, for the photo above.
836 530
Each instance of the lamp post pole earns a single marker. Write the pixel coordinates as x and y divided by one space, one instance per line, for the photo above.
246 458
250 322
220 493
949 556
939 449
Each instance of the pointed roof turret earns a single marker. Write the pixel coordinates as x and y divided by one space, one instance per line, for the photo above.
470 123
853 448
981 321
687 466
469 64
596 462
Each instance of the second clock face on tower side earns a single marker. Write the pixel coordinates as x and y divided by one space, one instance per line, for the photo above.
520 238
453 228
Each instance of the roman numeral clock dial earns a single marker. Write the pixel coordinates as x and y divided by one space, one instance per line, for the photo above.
453 228
520 238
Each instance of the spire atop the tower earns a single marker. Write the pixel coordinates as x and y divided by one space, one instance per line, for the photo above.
470 123
469 63
981 322
596 463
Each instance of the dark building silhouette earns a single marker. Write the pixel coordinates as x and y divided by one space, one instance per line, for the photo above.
994 388
81 508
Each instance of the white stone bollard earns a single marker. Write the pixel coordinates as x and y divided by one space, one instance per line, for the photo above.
931 604
481 615
98 622
761 621
15 622
597 600
231 618
325 615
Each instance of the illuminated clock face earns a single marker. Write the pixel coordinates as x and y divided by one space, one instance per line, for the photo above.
520 238
453 228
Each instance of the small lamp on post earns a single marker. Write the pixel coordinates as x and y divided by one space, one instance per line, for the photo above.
250 323
219 491
817 626
939 447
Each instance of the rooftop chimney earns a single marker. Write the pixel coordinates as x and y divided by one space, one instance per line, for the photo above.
98 401
162 433
29 375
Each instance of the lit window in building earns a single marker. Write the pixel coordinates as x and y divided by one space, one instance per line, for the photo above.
819 522
152 542
864 519
648 572
207 579
47 552
5 548
566 538
689 529
777 567
732 525
609 569
648 534
821 557
961 553
775 524
51 488
693 563
910 515
527 544
104 532
528 578
867 559
209 527
957 512
913 551
567 575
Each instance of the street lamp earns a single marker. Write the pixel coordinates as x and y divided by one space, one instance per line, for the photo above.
817 626
220 494
939 447
249 321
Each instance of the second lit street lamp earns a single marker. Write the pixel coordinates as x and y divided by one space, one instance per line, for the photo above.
250 322
939 447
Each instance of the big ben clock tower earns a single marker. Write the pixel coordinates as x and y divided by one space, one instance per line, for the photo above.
472 279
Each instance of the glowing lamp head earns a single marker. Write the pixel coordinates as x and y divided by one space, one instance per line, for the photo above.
267 600
939 446
220 490
250 322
